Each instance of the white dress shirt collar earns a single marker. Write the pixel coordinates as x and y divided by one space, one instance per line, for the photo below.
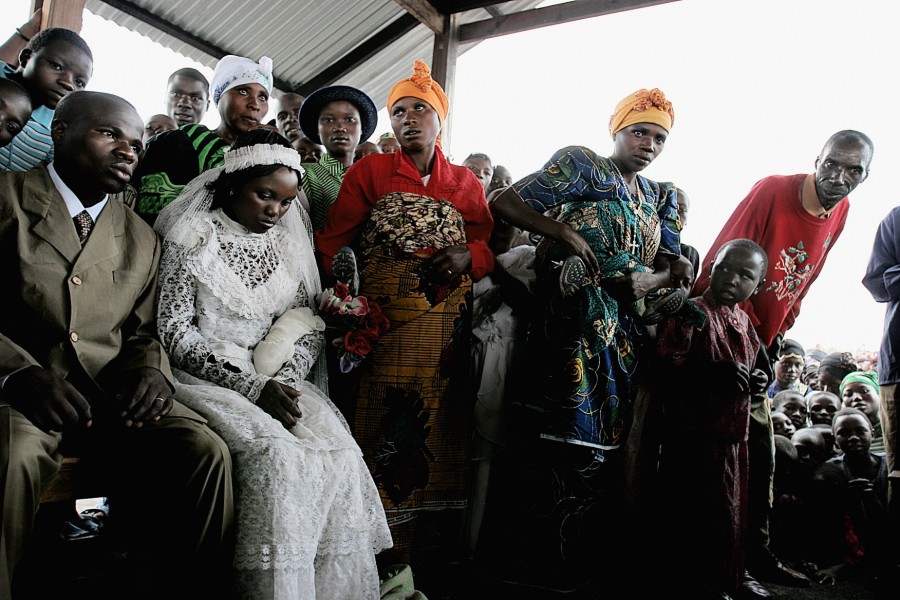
72 202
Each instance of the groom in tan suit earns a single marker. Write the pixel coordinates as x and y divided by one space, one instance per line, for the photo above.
81 365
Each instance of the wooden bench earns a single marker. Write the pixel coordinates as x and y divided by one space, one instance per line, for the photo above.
74 481
53 567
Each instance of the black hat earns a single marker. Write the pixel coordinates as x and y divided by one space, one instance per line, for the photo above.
312 106
791 348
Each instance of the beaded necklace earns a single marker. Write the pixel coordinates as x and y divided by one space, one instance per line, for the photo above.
632 242
636 198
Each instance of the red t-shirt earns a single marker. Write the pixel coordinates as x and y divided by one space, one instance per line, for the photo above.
796 242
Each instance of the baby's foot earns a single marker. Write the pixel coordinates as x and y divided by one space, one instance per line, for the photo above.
665 302
573 276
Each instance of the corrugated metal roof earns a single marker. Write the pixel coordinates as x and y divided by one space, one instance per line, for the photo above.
304 38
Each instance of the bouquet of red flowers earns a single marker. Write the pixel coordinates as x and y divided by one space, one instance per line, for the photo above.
354 324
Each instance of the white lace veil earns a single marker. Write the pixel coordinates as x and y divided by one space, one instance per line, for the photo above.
181 223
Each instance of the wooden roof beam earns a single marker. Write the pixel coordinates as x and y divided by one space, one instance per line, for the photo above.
426 14
550 15
360 54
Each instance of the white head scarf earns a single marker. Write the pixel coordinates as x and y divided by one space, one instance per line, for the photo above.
232 71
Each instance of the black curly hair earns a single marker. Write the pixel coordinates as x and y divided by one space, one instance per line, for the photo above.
45 37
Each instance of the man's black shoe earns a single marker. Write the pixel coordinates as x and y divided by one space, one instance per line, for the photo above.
774 571
751 589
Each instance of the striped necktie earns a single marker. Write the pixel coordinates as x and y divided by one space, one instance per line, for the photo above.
83 224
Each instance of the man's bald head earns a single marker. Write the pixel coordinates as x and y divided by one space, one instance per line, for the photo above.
97 141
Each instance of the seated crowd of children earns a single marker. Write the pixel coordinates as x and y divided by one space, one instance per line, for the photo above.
830 496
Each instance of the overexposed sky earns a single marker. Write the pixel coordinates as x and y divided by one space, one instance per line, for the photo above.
758 86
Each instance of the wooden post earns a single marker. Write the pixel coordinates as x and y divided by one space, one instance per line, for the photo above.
67 14
443 67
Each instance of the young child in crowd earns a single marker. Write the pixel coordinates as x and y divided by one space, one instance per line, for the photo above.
308 150
832 370
785 460
365 149
793 524
704 452
501 179
782 424
857 484
482 167
793 404
15 110
810 446
387 143
822 408
860 390
158 124
54 63
811 375
831 449
788 368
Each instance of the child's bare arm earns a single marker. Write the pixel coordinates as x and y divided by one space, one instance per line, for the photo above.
9 50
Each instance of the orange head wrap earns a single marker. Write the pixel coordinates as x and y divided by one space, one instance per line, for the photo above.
421 86
643 106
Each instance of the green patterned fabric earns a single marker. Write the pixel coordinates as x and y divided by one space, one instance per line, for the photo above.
173 159
321 184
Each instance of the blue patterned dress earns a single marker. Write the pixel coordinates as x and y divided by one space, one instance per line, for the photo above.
588 343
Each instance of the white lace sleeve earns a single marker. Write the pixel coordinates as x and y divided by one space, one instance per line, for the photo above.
185 344
306 350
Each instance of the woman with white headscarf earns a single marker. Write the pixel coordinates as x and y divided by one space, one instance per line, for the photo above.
240 90
238 282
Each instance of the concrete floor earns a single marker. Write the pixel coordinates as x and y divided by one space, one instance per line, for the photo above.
95 570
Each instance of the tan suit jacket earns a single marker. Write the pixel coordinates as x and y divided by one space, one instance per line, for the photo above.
76 311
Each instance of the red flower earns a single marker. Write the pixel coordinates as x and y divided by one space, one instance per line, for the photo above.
375 320
341 290
353 324
358 342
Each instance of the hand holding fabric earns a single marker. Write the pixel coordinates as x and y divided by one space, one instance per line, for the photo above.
729 375
572 244
759 382
449 263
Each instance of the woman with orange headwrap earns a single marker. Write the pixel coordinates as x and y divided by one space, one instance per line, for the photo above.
615 241
419 226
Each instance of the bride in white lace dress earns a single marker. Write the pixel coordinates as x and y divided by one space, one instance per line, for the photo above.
237 255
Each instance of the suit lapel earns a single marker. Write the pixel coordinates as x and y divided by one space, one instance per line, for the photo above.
52 222
54 225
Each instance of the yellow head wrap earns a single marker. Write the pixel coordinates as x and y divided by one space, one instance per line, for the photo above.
643 106
421 86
